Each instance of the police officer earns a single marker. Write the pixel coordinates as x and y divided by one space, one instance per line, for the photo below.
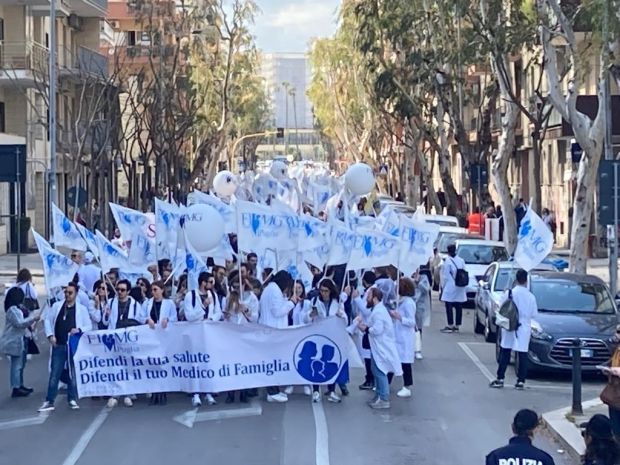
520 450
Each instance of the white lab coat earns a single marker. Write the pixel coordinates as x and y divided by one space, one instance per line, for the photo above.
335 308
250 300
361 310
405 330
168 311
383 341
96 313
300 311
136 312
423 303
274 307
519 340
450 292
82 318
195 311
89 274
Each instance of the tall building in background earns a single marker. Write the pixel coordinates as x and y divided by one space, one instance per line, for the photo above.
292 71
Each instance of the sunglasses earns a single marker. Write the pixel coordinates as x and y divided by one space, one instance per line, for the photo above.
121 289
69 293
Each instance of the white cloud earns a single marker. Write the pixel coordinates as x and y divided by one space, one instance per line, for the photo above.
308 15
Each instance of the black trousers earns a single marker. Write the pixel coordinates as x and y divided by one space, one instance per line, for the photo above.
504 360
330 387
369 378
407 375
273 390
458 308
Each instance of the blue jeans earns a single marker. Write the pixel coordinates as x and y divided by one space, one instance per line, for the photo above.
18 362
381 382
614 417
59 359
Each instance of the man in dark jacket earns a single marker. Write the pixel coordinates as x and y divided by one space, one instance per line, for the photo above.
520 450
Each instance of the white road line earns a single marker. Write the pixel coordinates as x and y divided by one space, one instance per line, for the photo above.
474 358
322 440
20 422
86 437
192 416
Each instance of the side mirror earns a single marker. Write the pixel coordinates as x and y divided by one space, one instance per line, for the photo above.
483 285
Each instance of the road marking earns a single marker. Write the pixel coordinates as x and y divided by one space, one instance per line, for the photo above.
487 373
86 437
193 416
474 358
21 422
322 439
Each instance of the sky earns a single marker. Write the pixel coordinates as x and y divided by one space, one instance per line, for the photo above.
290 25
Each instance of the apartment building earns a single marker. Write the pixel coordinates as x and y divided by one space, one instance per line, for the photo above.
24 80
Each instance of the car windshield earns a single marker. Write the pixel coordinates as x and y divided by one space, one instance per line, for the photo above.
571 297
481 254
448 238
441 222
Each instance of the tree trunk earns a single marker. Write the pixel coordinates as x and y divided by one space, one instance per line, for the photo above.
444 163
582 210
535 169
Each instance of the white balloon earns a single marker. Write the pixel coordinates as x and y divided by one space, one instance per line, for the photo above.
359 179
204 227
225 183
278 169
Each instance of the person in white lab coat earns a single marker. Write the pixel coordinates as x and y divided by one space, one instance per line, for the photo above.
159 310
519 340
404 329
361 340
274 310
423 309
245 307
451 294
382 347
89 272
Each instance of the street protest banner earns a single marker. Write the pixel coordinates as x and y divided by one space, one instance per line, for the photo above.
209 357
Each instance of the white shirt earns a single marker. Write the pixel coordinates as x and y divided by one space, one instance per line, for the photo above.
450 292
274 307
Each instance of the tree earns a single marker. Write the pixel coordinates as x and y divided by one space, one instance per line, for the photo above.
557 23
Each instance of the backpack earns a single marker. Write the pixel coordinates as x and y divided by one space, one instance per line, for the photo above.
507 317
461 279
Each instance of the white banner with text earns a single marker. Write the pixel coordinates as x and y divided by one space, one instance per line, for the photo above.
209 357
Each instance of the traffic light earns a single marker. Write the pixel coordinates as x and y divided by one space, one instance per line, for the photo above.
280 133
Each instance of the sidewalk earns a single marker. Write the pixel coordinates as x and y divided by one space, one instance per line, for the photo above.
565 427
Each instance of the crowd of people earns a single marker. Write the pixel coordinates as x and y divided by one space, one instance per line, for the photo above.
383 312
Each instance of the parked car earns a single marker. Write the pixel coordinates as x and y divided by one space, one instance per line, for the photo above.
496 280
570 306
447 235
478 255
442 220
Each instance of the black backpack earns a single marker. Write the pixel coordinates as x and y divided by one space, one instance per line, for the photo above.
461 279
507 317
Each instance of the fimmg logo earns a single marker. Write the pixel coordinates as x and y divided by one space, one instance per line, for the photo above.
117 342
317 359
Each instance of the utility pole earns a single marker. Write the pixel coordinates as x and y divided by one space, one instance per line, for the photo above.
294 95
53 190
287 87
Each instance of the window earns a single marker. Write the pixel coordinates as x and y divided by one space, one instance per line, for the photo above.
2 30
480 254
131 38
571 297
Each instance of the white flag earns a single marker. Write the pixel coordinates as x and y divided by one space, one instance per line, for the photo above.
262 227
227 211
223 251
320 195
313 233
342 241
167 225
535 241
372 249
111 256
89 237
388 221
128 220
417 238
142 251
58 269
65 233
194 264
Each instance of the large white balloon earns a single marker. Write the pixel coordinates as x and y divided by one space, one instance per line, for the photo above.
278 169
359 179
225 183
204 227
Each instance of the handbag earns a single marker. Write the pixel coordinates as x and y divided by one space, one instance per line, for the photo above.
610 395
31 347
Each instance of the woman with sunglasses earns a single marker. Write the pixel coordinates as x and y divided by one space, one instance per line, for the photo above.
99 304
245 309
145 287
159 310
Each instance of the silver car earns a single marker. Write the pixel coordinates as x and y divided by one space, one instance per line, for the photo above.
498 277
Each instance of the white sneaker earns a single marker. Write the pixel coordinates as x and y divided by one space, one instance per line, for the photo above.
289 390
196 402
419 356
73 405
280 398
47 407
333 397
404 392
210 400
112 402
128 402
307 390
316 396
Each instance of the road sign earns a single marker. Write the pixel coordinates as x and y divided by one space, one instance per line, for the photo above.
479 174
12 163
609 192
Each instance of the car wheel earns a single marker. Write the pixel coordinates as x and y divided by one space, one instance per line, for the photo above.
478 327
489 336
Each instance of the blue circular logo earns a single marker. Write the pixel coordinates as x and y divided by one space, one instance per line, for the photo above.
317 359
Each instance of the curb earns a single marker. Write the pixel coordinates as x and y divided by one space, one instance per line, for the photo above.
565 432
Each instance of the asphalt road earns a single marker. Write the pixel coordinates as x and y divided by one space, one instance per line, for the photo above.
453 418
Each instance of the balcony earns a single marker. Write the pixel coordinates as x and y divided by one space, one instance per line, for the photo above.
83 63
24 62
81 8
